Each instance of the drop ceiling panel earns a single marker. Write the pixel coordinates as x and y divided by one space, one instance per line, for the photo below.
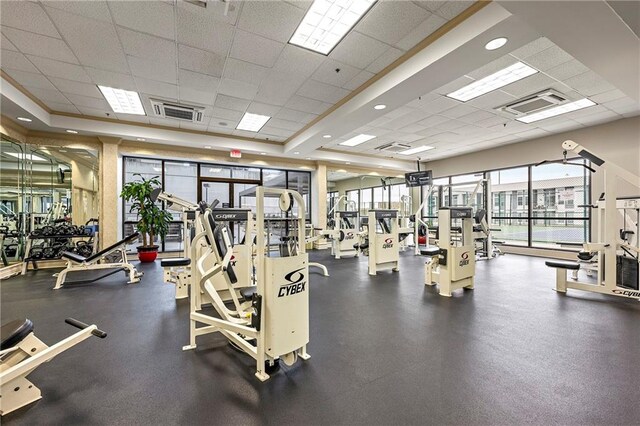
244 71
273 131
357 81
150 17
200 61
27 16
89 9
358 50
31 79
47 95
390 21
529 85
39 45
548 58
294 115
52 68
300 103
189 95
62 107
228 102
238 89
94 43
422 31
567 70
451 9
335 73
157 88
7 45
278 88
226 114
148 47
589 83
77 88
384 60
294 60
322 92
199 28
271 19
284 124
111 79
258 50
263 109
146 68
87 101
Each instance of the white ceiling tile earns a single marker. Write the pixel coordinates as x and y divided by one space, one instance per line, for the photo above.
31 79
39 45
227 114
548 58
300 103
404 120
491 100
335 73
193 126
47 95
132 117
589 84
95 43
273 131
413 128
430 5
224 124
529 85
611 95
294 115
263 109
440 104
16 61
567 70
215 12
77 88
157 89
244 71
258 50
358 50
299 61
275 20
492 67
493 121
111 79
450 125
245 134
285 124
200 28
301 4
451 9
407 137
146 16
361 78
58 107
196 80
453 85
148 47
152 70
27 16
200 61
219 129
238 89
96 112
422 31
278 88
89 9
322 92
52 68
458 111
469 130
385 59
189 95
7 45
532 48
476 116
598 118
558 126
88 101
623 106
399 112
390 21
228 102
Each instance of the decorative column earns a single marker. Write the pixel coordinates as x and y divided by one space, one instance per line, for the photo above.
109 194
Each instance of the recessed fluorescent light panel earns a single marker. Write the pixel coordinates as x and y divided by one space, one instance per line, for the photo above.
123 101
499 79
357 140
416 150
252 122
327 22
560 109
30 157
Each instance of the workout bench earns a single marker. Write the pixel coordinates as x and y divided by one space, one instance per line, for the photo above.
78 263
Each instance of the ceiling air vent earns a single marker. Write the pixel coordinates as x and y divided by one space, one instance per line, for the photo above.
393 147
179 112
201 3
533 103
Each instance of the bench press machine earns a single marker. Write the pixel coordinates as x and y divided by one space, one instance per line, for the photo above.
617 252
271 323
101 260
21 352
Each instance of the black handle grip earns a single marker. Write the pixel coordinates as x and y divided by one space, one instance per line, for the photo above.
81 325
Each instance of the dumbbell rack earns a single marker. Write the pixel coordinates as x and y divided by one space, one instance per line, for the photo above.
34 237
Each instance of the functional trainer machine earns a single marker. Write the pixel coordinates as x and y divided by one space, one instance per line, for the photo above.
344 231
21 352
382 241
617 249
452 264
101 260
271 323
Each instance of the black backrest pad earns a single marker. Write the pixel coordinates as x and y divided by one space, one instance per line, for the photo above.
480 214
14 332
384 225
123 241
222 250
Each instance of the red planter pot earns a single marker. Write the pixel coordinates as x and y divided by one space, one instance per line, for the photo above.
147 254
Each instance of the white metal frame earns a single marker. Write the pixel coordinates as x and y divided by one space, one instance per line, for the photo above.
384 247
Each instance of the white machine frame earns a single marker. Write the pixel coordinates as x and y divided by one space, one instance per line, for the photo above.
342 237
453 267
384 247
608 244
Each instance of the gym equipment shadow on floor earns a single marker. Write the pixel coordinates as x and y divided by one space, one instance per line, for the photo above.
384 350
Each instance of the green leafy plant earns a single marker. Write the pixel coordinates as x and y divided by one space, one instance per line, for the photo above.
152 220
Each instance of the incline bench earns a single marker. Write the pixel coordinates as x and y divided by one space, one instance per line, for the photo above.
77 263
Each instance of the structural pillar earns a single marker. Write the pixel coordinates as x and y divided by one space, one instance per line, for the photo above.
109 196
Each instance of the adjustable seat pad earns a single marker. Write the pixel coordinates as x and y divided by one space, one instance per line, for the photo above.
563 265
222 251
79 259
178 261
248 292
14 332
430 251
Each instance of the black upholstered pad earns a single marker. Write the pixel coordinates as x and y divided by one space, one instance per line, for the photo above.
222 251
586 255
79 259
563 265
14 332
178 261
73 256
248 292
430 251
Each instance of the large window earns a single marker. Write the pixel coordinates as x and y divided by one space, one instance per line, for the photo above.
510 208
228 184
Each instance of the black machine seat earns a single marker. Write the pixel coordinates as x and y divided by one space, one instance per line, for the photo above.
178 261
222 251
573 266
586 255
79 259
14 332
248 292
430 251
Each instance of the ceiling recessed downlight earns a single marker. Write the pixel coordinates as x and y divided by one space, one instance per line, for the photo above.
416 150
207 147
252 122
28 120
326 136
380 106
557 110
327 22
263 153
72 131
496 43
123 101
499 79
141 139
296 152
357 140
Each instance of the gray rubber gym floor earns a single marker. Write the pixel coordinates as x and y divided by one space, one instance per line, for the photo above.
384 350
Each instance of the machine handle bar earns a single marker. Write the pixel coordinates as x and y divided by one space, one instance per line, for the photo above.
81 325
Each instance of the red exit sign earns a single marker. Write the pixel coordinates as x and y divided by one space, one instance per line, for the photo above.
235 153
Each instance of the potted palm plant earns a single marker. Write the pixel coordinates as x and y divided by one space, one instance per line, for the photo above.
152 220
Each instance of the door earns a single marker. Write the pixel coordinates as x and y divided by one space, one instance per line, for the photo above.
211 191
